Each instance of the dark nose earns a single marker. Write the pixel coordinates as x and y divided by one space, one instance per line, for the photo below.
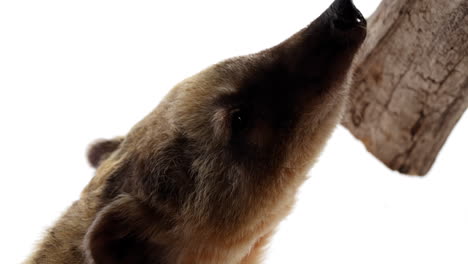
345 15
327 46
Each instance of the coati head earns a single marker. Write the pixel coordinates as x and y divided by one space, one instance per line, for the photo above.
233 141
244 124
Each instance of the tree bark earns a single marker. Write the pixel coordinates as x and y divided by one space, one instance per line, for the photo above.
411 83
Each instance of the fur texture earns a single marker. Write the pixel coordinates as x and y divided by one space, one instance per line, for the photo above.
208 175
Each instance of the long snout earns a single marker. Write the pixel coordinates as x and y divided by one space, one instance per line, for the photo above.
345 16
342 22
328 45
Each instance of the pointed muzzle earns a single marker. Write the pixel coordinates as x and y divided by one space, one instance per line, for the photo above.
328 45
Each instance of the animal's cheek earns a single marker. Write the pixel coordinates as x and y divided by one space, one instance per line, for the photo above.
260 135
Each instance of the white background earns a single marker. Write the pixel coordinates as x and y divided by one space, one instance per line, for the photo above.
74 71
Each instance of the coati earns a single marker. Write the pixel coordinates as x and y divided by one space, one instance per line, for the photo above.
208 175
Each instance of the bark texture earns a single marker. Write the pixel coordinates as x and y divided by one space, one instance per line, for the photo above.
411 83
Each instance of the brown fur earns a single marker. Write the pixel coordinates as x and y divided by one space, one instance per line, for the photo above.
208 175
102 149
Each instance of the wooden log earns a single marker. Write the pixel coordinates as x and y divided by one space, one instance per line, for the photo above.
411 82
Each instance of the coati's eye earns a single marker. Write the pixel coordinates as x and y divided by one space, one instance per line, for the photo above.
238 121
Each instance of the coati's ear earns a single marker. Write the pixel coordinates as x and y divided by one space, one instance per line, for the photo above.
102 149
121 234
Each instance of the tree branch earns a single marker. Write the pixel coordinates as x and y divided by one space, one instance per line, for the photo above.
411 83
